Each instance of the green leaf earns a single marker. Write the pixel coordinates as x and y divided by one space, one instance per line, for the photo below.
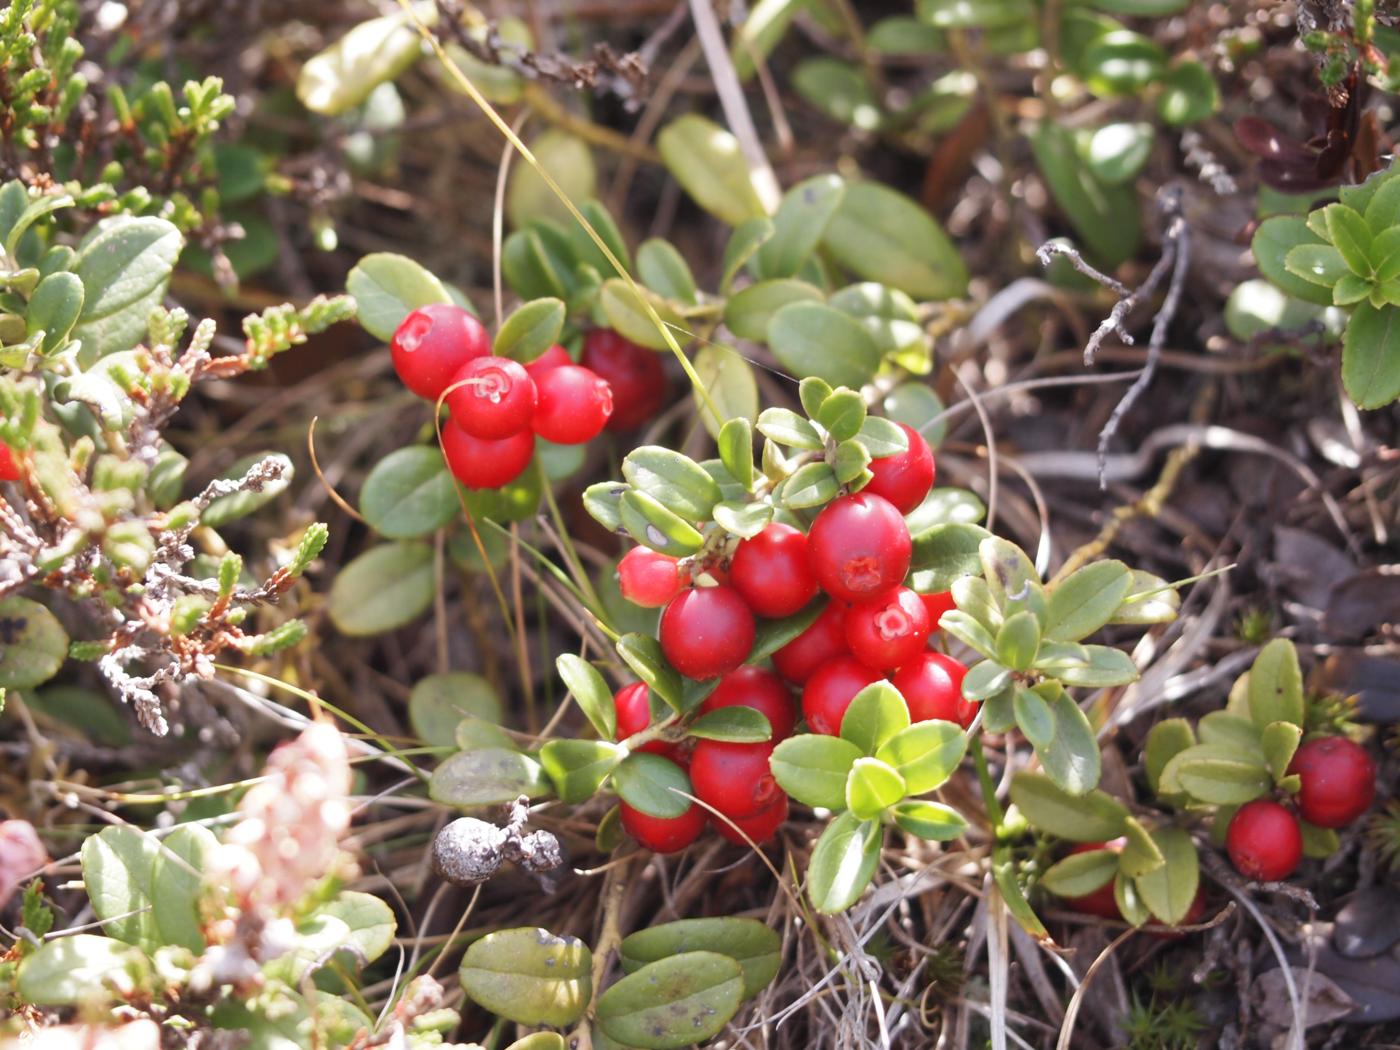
583 248
1371 356
1273 241
54 309
900 35
387 288
1121 63
35 643
591 692
1351 289
756 948
944 553
438 703
1279 741
929 820
1071 758
531 268
1085 600
1106 218
875 715
177 871
842 414
813 339
871 787
383 589
1189 94
735 442
1349 234
892 319
745 520
117 865
1105 667
801 219
1013 579
1117 152
811 486
83 968
1129 901
1318 842
370 922
1170 889
739 724
603 502
1080 874
985 679
1091 817
664 270
569 161
973 14
772 635
731 390
125 265
1276 685
673 479
1018 640
708 163
748 313
625 313
673 1002
1141 854
788 428
1033 716
651 783
409 494
475 734
529 976
970 632
883 236
650 523
487 777
812 393
342 76
1218 775
748 237
925 754
1150 600
642 653
1165 741
813 768
843 863
838 89
1319 264
530 330
1227 730
1005 867
851 464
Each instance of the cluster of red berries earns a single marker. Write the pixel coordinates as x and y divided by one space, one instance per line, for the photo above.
498 406
1337 783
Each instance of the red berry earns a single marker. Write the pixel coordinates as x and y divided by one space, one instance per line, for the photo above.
859 547
733 778
830 691
772 572
492 397
763 691
552 358
572 405
706 631
1338 781
481 464
664 834
759 827
1101 901
813 647
931 685
647 578
1264 841
9 469
635 374
432 343
888 631
937 605
633 706
906 477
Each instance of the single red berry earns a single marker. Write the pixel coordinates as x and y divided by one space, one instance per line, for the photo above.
635 374
937 605
633 706
492 397
772 571
481 464
9 468
733 778
906 477
830 691
1101 901
664 834
1264 841
551 359
813 647
647 578
931 685
759 828
859 547
706 631
888 631
763 691
572 405
1338 781
432 343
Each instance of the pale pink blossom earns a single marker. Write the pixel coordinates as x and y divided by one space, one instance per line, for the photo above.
21 856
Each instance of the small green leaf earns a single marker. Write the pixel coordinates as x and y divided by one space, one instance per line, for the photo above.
591 692
973 14
929 820
882 438
737 723
1218 775
735 443
1121 63
117 865
1085 600
1349 234
439 702
984 679
665 272
881 235
650 523
925 754
487 777
529 976
1105 667
673 1002
385 588
944 553
871 787
125 265
1005 868
789 429
1371 356
409 494
851 464
642 653
652 784
756 948
813 339
747 238
627 314
177 871
838 89
83 969
842 414
746 520
1013 580
799 223
1273 241
1117 152
1318 842
1080 874
1279 741
811 486
1130 903
1169 890
813 768
1090 817
603 502
387 288
342 76
731 390
530 330
54 309
843 863
1165 741
812 392
875 715
1276 685
1223 729
585 251
1071 758
708 163
1140 854
673 479
1107 218
569 161
1319 264
1018 640
1033 716
1150 600
35 644
1189 94
970 631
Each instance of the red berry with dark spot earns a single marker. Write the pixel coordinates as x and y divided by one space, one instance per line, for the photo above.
706 631
1101 901
937 605
492 397
931 685
733 778
664 834
1264 841
571 406
551 359
1338 781
888 631
648 578
830 691
759 828
482 464
9 468
826 638
635 374
906 477
772 571
432 343
761 690
859 547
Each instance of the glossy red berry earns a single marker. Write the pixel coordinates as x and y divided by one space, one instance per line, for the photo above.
635 374
481 464
1338 781
1101 901
733 778
492 397
887 631
572 405
772 571
859 547
931 685
763 691
9 466
906 477
432 343
937 605
706 631
813 647
830 691
647 578
759 828
664 834
552 358
633 706
1264 841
